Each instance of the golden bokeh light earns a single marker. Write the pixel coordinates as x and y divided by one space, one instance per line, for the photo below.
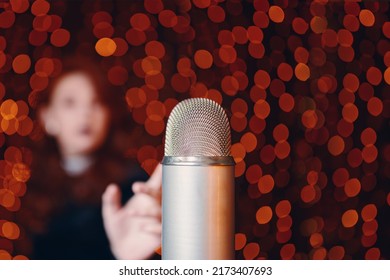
266 184
366 17
240 241
302 71
105 46
276 14
349 218
264 215
369 212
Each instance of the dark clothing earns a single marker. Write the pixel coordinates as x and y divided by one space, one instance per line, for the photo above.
76 233
74 228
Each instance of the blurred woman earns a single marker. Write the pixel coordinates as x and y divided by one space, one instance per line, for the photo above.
79 155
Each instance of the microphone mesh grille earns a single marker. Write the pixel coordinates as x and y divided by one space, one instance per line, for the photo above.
197 127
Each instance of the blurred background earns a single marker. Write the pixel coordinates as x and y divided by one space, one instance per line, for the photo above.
305 85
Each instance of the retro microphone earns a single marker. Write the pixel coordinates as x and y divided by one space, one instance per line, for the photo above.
198 183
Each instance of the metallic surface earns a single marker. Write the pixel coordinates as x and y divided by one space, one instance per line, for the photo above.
198 161
197 127
198 212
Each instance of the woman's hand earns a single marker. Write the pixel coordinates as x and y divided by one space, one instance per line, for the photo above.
151 187
134 230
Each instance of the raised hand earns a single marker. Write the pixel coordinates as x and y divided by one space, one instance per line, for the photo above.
134 230
152 187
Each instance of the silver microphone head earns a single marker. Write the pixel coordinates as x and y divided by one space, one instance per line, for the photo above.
197 127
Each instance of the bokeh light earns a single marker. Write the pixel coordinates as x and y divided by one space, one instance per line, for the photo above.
105 46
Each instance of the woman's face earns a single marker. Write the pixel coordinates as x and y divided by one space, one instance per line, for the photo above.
75 115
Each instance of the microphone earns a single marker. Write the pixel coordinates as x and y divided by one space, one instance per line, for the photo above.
197 183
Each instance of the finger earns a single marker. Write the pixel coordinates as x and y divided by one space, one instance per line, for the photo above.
142 187
151 187
138 187
155 180
152 212
131 212
111 201
155 228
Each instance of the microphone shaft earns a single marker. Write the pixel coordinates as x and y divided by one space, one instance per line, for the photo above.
198 212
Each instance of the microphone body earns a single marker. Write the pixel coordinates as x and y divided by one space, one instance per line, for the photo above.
198 210
198 183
